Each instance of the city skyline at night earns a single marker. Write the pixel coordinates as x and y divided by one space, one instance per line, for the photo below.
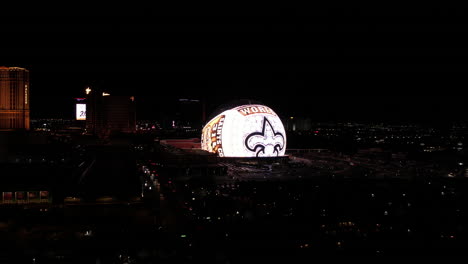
236 135
47 98
334 64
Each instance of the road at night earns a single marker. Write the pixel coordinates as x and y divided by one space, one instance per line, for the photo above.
113 174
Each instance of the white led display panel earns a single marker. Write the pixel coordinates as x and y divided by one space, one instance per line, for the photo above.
80 111
245 131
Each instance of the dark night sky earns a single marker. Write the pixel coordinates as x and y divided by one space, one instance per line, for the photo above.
358 64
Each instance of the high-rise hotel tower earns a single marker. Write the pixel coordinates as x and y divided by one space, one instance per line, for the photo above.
14 98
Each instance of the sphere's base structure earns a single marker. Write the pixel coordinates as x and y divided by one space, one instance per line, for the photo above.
256 160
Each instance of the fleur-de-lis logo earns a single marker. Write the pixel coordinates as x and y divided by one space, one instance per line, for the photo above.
265 143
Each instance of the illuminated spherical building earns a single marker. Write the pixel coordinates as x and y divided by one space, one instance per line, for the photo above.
248 130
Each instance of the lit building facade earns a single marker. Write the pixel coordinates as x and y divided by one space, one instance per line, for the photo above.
14 98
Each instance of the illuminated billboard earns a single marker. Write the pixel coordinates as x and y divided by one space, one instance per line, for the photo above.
245 131
80 111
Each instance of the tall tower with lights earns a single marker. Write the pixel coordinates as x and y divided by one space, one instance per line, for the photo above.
14 98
